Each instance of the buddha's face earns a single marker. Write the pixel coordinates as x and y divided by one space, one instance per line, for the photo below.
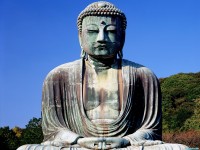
102 36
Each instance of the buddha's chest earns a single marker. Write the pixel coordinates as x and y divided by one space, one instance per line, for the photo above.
101 94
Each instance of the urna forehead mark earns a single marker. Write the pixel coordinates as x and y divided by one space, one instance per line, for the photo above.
100 20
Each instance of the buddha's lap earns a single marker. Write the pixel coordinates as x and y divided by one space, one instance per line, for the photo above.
165 146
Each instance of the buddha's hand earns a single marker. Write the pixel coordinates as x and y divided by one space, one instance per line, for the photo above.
63 138
143 142
103 142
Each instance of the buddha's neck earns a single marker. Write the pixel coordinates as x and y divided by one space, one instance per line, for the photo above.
101 64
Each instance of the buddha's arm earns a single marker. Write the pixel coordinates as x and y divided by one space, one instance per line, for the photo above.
54 132
149 127
54 125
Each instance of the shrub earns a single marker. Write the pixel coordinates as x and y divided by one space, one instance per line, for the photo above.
190 138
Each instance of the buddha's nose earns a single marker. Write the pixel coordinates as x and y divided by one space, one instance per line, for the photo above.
101 36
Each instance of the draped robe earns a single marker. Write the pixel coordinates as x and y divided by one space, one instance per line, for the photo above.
63 109
62 105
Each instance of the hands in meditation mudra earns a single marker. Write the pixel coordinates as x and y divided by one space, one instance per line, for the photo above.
101 101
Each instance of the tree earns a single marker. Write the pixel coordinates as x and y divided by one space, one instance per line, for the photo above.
17 131
32 134
180 105
8 140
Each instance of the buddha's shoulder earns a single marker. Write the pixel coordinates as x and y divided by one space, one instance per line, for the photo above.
128 63
135 66
65 68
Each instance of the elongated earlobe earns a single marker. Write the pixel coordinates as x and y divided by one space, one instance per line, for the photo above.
83 54
120 54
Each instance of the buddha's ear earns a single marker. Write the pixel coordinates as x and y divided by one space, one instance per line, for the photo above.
79 37
83 53
120 52
123 38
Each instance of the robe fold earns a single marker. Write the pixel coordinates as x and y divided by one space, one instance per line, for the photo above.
62 104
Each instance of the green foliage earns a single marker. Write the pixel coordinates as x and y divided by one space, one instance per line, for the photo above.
8 140
180 105
32 134
11 139
194 121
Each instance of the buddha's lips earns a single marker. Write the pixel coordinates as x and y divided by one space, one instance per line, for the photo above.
100 46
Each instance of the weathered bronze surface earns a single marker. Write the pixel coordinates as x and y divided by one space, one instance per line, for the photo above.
101 101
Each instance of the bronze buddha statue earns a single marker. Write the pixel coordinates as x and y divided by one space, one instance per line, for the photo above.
101 101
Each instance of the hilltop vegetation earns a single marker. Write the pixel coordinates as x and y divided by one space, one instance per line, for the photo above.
181 115
181 102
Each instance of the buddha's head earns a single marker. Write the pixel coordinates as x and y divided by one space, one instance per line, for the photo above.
101 30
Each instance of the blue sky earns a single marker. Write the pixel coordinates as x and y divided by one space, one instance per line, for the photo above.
38 35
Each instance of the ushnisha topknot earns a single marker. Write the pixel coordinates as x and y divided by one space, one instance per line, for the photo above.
101 8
